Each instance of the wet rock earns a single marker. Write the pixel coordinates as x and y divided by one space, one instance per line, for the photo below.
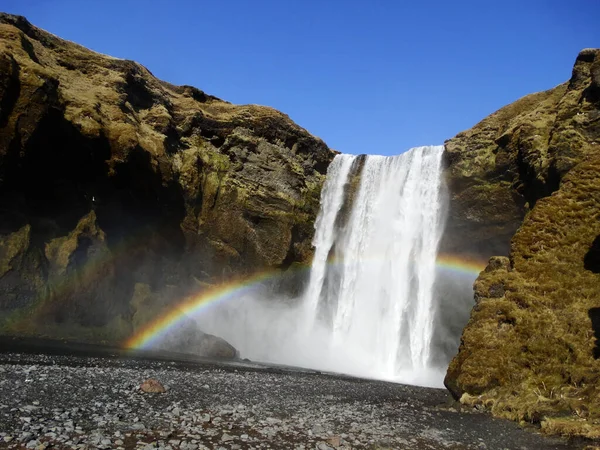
152 386
334 441
226 438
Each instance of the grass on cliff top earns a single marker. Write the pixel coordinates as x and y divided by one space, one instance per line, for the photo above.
480 148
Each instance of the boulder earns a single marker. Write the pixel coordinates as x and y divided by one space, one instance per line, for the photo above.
187 337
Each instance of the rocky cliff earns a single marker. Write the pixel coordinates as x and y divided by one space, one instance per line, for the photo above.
121 193
529 351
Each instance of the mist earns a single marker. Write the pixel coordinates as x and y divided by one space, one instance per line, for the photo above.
270 327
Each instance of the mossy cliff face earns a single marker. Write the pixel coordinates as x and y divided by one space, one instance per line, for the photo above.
111 179
529 351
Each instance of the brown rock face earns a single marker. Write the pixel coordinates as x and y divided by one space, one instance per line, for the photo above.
112 179
530 349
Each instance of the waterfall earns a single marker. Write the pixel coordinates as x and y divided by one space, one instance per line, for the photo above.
370 306
371 286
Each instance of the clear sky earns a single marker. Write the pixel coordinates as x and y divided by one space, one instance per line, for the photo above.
365 76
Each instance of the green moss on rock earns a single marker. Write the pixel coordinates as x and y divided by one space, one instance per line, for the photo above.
12 248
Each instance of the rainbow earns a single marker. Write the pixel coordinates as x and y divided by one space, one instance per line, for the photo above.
460 264
154 330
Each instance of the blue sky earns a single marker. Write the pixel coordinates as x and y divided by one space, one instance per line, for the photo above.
365 76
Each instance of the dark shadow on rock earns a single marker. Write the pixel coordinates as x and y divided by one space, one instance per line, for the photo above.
50 182
591 260
137 91
28 47
10 87
136 201
594 314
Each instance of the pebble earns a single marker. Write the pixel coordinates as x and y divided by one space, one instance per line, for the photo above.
90 402
226 437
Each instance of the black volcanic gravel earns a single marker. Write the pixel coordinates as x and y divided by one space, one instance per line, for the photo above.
67 401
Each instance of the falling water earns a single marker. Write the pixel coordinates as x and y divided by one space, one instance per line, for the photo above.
376 294
332 200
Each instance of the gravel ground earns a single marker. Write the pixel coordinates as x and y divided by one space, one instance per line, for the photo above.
73 401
